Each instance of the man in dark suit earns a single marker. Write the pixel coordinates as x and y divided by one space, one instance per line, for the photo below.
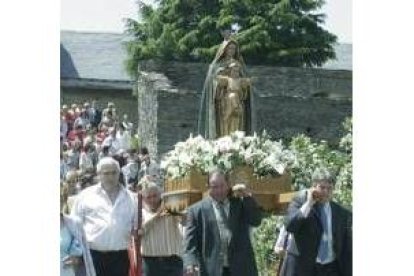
322 232
217 240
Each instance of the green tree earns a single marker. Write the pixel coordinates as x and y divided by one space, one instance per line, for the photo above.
271 32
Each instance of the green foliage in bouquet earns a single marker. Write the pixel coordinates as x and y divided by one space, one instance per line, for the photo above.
226 153
308 155
264 238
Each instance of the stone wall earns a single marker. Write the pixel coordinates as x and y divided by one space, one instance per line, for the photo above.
123 99
289 101
148 108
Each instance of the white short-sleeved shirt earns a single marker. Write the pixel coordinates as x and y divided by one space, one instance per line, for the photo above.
107 227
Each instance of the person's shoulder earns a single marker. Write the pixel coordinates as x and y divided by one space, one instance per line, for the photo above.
198 206
89 190
344 211
130 194
235 200
75 220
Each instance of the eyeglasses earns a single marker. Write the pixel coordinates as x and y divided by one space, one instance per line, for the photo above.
108 172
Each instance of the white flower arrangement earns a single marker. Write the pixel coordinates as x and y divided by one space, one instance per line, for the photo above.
226 153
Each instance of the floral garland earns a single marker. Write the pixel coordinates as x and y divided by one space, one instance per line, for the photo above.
226 153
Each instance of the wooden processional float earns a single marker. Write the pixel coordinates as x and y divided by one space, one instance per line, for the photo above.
273 193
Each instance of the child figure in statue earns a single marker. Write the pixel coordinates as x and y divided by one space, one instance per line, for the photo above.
231 93
210 120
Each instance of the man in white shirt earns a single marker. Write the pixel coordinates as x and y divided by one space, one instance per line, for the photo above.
322 231
123 137
109 214
130 170
112 142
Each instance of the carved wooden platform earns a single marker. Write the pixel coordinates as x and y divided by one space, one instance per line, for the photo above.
272 193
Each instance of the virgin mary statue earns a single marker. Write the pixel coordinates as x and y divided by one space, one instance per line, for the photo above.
209 115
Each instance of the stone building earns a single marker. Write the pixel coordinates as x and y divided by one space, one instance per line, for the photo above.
92 68
289 100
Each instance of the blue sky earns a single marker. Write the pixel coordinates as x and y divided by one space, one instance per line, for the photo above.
107 15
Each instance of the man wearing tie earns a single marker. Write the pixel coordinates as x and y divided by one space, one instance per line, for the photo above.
217 241
322 231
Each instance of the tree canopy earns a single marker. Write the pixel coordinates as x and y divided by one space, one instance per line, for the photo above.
270 32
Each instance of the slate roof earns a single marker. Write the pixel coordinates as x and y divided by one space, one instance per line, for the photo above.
101 56
93 56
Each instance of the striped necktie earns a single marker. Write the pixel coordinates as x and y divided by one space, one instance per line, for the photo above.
223 213
323 245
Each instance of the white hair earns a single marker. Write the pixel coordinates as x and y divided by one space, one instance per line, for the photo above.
107 161
149 186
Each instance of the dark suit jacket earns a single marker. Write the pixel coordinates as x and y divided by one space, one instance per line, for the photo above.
202 238
308 232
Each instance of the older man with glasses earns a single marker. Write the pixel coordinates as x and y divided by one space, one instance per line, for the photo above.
109 214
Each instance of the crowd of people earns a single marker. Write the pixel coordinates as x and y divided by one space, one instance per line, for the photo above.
88 134
103 166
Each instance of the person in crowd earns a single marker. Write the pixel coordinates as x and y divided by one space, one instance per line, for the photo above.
64 168
72 187
100 136
74 111
161 235
88 111
69 116
96 114
75 258
134 141
108 213
86 159
109 119
130 170
283 243
128 125
78 133
104 153
64 128
93 150
112 142
124 137
86 180
82 120
217 240
149 168
65 149
74 155
110 110
322 231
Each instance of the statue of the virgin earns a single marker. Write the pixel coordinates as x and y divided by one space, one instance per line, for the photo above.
210 119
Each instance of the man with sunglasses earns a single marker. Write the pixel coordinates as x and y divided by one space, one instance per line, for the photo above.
109 213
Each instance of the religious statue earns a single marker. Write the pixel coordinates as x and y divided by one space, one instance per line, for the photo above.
230 96
223 110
